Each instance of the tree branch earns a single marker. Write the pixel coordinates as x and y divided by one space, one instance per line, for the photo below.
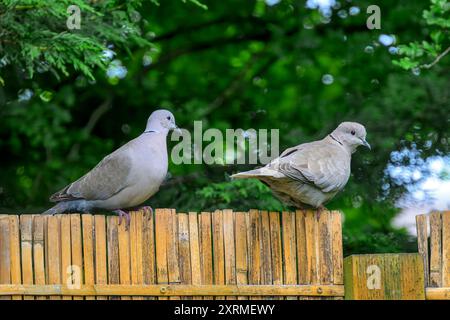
206 24
264 34
205 45
439 57
95 116
232 88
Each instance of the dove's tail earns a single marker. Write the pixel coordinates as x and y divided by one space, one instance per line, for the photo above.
64 206
58 208
247 174
257 174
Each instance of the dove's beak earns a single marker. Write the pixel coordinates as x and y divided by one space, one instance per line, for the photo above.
366 144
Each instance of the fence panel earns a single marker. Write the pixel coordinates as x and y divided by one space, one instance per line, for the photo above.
223 254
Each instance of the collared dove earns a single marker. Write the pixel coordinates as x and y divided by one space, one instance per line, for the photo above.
311 174
125 178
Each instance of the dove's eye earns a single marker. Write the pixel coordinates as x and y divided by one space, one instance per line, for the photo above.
353 132
168 118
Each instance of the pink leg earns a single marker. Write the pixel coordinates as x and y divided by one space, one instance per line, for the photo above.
147 208
319 211
121 214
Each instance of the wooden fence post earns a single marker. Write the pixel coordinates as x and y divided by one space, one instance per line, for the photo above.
435 252
384 277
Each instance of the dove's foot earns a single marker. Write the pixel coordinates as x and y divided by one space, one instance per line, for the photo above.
146 209
319 210
122 214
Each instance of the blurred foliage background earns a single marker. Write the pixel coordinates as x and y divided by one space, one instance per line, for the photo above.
70 97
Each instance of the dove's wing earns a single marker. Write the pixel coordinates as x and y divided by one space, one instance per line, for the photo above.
323 165
106 179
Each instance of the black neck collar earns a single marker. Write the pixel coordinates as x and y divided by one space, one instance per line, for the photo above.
150 131
336 140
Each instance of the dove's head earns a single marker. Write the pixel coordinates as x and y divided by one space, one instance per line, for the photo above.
351 135
161 121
